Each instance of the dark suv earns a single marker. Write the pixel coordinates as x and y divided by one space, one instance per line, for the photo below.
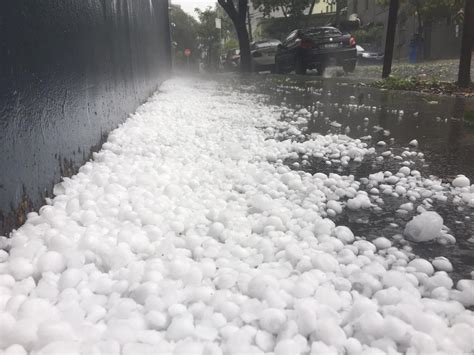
315 48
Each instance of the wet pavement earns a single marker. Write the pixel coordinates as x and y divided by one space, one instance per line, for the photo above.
395 117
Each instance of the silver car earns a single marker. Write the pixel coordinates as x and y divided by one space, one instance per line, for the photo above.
368 57
263 54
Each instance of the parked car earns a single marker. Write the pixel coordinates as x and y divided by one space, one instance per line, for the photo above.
368 56
316 48
263 54
232 59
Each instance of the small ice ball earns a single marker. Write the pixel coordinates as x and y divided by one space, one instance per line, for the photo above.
216 229
461 181
442 264
344 234
287 346
70 278
15 350
405 170
422 265
157 320
272 320
20 268
382 243
424 227
51 261
335 206
260 284
181 327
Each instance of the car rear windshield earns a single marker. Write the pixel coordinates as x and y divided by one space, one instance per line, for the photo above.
322 32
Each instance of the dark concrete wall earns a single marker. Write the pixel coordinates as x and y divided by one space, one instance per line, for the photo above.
70 72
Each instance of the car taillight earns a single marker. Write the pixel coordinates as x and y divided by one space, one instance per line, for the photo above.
306 44
352 42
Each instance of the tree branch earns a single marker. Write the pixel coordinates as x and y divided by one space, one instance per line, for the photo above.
243 8
228 6
311 8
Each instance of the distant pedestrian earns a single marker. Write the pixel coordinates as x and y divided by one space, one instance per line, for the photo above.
415 48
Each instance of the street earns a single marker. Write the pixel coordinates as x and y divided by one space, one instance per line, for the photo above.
252 215
395 118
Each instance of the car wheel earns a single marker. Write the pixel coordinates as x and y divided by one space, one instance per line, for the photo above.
349 67
300 67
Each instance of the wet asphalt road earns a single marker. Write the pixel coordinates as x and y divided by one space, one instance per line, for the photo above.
435 121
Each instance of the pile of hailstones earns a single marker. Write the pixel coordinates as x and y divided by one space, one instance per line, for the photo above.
314 288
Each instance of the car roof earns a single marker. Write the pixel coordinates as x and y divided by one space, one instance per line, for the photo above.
320 28
266 41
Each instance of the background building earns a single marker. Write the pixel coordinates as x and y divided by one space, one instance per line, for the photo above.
440 36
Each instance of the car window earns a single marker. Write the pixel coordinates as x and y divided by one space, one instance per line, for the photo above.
290 37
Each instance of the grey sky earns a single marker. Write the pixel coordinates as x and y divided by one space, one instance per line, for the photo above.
189 5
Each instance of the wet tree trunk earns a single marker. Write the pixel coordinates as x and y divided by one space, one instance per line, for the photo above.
244 44
338 12
390 40
464 74
310 12
249 20
311 8
237 11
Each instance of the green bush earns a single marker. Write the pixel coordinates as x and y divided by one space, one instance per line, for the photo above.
279 28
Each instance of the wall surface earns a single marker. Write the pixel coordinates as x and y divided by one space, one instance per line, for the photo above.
70 72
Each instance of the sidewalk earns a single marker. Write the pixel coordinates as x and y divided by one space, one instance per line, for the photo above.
436 70
188 235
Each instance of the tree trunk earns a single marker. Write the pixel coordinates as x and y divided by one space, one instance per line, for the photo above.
238 16
464 75
421 35
249 20
419 18
390 40
244 44
311 8
338 12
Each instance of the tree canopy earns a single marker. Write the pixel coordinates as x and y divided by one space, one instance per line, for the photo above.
289 8
429 10
237 10
183 31
209 36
